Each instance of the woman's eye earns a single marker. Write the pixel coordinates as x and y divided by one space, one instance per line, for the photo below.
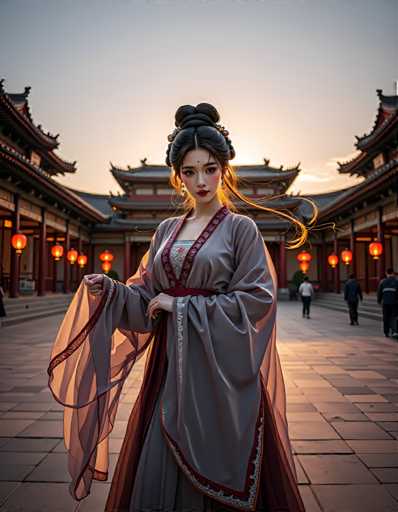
186 173
212 169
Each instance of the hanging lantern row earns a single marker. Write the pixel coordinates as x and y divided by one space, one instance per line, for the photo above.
106 266
304 256
346 256
106 256
57 252
72 256
18 241
333 259
82 260
304 266
375 250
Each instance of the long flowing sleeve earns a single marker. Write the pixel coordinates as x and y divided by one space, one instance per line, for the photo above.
225 359
98 342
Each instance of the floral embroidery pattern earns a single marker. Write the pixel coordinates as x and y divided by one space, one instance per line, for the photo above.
243 500
180 336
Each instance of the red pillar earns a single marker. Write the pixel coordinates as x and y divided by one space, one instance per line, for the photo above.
352 249
42 254
282 265
337 269
79 271
381 262
66 262
322 266
15 260
127 260
91 257
366 259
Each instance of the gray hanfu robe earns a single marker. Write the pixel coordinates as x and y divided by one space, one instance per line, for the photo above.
214 382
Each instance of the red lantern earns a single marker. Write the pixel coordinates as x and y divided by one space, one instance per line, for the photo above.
106 266
346 256
106 256
82 260
71 256
57 251
304 256
18 241
375 250
333 259
304 266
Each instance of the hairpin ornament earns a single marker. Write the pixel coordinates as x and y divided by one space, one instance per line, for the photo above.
222 129
173 135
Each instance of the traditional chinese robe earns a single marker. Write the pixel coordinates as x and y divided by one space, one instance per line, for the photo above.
212 386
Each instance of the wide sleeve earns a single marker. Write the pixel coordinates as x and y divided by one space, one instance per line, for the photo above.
98 342
224 366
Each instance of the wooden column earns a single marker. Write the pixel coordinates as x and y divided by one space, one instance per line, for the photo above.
91 257
66 262
15 260
381 262
55 268
337 269
42 254
79 271
322 266
282 264
352 249
127 260
366 260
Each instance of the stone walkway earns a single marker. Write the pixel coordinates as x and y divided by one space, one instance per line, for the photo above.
342 387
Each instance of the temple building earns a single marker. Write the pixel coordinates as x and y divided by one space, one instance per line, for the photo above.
96 227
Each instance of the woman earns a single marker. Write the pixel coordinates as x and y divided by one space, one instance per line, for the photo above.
208 430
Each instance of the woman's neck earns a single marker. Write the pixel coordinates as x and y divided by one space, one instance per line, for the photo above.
205 210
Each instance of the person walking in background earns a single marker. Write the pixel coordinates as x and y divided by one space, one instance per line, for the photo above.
352 294
306 292
387 295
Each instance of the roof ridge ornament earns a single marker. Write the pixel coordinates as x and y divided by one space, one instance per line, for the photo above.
143 162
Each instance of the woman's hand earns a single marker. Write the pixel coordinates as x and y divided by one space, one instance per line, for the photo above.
161 301
95 283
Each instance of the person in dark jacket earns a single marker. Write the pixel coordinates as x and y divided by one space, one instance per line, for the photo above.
352 294
387 295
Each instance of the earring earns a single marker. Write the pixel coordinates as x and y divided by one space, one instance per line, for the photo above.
183 189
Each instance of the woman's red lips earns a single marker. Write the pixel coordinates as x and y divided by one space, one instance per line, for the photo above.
202 192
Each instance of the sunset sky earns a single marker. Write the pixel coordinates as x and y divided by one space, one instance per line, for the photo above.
293 80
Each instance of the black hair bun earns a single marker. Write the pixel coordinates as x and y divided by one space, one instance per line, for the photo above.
204 114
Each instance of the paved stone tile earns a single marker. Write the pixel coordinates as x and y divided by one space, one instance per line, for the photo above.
311 430
379 460
40 497
13 427
309 500
374 446
6 489
19 444
43 429
335 469
319 447
355 498
345 416
386 475
360 430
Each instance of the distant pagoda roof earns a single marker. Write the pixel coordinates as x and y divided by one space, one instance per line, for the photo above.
385 125
154 173
15 112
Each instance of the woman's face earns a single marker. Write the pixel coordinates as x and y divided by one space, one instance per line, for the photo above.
201 171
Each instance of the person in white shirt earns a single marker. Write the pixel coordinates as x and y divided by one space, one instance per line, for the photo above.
306 292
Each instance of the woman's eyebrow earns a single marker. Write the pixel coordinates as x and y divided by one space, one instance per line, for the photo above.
191 167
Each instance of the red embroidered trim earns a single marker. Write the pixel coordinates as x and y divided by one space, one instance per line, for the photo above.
81 336
195 247
98 475
216 487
